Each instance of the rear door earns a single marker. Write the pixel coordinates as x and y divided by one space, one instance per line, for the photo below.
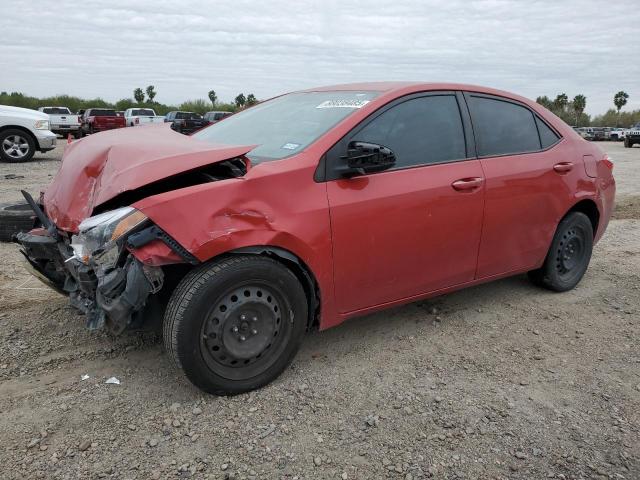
530 179
414 228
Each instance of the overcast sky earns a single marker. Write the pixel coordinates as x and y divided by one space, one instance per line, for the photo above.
186 48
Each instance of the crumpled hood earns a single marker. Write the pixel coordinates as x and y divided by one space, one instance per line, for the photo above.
102 166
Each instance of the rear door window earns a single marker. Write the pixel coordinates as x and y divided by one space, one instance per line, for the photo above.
502 127
419 131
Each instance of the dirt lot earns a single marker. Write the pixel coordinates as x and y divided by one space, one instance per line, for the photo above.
499 381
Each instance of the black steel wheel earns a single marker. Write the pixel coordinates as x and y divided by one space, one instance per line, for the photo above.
568 256
234 325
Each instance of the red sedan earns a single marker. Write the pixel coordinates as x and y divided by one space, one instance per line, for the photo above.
312 208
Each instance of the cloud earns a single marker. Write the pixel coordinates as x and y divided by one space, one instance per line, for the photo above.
97 48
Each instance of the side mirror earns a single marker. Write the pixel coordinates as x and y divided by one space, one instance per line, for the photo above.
364 157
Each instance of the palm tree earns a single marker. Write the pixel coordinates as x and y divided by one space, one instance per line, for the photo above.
561 102
138 94
579 104
620 100
213 97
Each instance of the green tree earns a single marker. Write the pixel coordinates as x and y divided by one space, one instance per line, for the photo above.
213 97
561 102
138 94
579 104
251 99
240 100
151 93
545 102
620 100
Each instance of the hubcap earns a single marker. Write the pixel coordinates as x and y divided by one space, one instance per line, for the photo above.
570 251
15 146
244 326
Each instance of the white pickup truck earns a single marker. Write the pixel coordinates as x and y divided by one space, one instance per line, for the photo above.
141 116
62 121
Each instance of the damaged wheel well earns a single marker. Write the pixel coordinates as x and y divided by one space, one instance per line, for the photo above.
302 272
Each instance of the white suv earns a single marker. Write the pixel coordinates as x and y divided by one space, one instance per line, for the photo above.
22 132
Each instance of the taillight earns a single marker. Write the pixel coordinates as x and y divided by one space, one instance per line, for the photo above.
607 161
79 121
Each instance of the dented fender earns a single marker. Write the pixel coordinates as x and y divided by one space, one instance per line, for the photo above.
273 204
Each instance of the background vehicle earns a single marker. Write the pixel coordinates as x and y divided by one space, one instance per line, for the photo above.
62 121
632 137
22 132
215 116
599 134
585 132
100 119
141 116
475 183
185 122
618 134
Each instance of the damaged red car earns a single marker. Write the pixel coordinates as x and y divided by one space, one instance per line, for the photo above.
311 208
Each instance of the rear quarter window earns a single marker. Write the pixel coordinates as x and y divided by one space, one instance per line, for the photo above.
547 136
503 127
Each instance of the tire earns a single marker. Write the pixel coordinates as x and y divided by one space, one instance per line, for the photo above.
15 218
568 256
628 143
16 146
234 325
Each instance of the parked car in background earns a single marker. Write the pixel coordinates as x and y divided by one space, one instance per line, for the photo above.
585 132
185 122
632 136
141 116
312 208
618 134
607 133
23 132
215 116
598 134
100 119
62 121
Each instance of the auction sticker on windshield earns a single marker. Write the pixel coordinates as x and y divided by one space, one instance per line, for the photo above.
343 104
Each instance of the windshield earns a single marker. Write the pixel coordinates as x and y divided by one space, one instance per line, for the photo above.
56 111
142 112
287 124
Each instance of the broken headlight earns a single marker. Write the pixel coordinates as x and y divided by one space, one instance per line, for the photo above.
98 236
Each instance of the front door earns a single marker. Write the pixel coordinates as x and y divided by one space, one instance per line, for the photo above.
416 227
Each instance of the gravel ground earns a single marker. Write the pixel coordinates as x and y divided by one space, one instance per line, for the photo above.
498 381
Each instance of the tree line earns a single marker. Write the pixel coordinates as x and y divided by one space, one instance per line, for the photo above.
572 111
141 98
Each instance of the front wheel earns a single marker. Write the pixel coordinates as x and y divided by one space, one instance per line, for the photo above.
568 256
234 325
16 146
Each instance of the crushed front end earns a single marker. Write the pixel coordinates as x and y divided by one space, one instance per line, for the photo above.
95 266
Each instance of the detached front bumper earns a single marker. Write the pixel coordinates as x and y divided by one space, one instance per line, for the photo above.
113 298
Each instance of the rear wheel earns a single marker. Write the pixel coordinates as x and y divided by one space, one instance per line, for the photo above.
16 146
628 143
235 325
568 256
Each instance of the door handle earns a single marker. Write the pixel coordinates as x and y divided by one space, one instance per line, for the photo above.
466 184
563 167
